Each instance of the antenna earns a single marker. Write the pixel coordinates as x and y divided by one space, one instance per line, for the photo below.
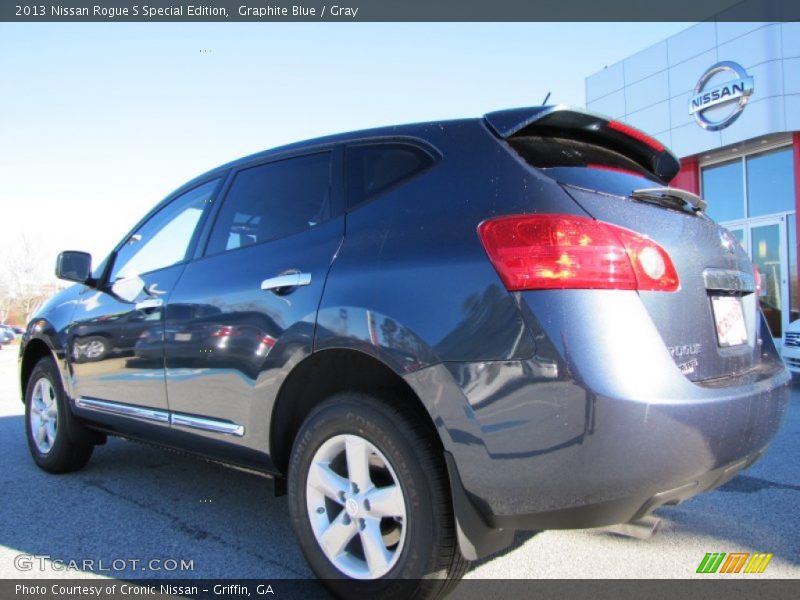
546 98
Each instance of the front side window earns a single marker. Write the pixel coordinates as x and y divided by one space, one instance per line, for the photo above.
374 168
164 239
273 200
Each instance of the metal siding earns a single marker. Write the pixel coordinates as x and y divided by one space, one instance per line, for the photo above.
790 39
604 82
792 112
791 76
647 92
770 52
683 77
646 63
759 118
731 30
653 119
679 111
612 105
754 48
691 42
691 139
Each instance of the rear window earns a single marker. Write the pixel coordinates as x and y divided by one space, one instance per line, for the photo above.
584 165
374 168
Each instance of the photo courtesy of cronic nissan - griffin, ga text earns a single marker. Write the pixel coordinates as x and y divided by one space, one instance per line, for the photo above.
431 335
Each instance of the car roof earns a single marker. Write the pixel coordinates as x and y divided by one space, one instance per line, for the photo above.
405 130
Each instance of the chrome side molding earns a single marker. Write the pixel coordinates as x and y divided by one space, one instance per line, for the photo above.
124 410
206 424
161 416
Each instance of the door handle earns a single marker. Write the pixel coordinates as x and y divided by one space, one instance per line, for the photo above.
285 281
149 303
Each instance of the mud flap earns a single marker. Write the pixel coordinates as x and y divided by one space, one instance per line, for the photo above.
476 538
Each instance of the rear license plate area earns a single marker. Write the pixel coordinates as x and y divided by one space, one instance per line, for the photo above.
729 320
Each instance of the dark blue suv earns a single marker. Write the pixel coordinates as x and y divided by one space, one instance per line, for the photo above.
431 335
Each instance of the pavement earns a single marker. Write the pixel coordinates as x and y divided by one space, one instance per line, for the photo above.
138 503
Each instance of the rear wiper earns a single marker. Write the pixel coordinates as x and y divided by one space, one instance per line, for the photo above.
668 196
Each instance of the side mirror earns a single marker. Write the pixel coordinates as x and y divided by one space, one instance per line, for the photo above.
74 266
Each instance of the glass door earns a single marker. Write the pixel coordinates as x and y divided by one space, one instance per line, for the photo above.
740 233
768 250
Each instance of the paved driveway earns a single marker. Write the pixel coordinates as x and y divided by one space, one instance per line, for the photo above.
137 503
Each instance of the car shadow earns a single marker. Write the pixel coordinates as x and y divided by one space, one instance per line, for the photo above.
137 502
134 501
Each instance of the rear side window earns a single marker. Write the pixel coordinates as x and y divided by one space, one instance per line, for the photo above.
585 165
272 201
374 168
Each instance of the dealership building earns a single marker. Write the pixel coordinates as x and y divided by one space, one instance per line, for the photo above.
725 97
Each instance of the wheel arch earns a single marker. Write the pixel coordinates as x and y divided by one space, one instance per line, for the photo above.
35 350
325 373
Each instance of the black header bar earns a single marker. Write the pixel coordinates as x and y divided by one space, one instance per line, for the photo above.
188 11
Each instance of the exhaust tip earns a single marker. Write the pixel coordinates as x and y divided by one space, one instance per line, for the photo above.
640 529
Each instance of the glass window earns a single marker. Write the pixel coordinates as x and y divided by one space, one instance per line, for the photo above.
794 301
723 189
770 182
373 168
765 251
739 235
272 201
164 239
585 165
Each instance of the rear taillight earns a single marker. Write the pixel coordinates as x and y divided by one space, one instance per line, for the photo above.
535 252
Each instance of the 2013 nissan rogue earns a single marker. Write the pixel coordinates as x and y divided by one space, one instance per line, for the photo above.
435 334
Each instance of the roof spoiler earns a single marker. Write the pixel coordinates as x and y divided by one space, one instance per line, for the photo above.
575 123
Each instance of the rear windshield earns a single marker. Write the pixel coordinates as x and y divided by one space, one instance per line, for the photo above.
584 165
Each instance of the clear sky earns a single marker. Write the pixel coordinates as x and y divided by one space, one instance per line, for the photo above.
100 121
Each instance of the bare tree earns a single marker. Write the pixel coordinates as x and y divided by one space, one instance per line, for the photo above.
22 279
5 298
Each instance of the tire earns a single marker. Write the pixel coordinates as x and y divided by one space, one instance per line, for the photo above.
411 540
57 442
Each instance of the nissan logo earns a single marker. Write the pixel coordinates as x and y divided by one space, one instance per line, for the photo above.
734 92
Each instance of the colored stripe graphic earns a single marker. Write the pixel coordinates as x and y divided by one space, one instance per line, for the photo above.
734 562
711 562
758 563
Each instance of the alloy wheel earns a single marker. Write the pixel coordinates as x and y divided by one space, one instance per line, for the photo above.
44 415
356 507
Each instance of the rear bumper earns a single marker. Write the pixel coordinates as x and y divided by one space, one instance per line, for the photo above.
596 430
553 455
623 510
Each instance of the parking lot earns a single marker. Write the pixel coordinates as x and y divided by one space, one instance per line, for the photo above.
137 503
